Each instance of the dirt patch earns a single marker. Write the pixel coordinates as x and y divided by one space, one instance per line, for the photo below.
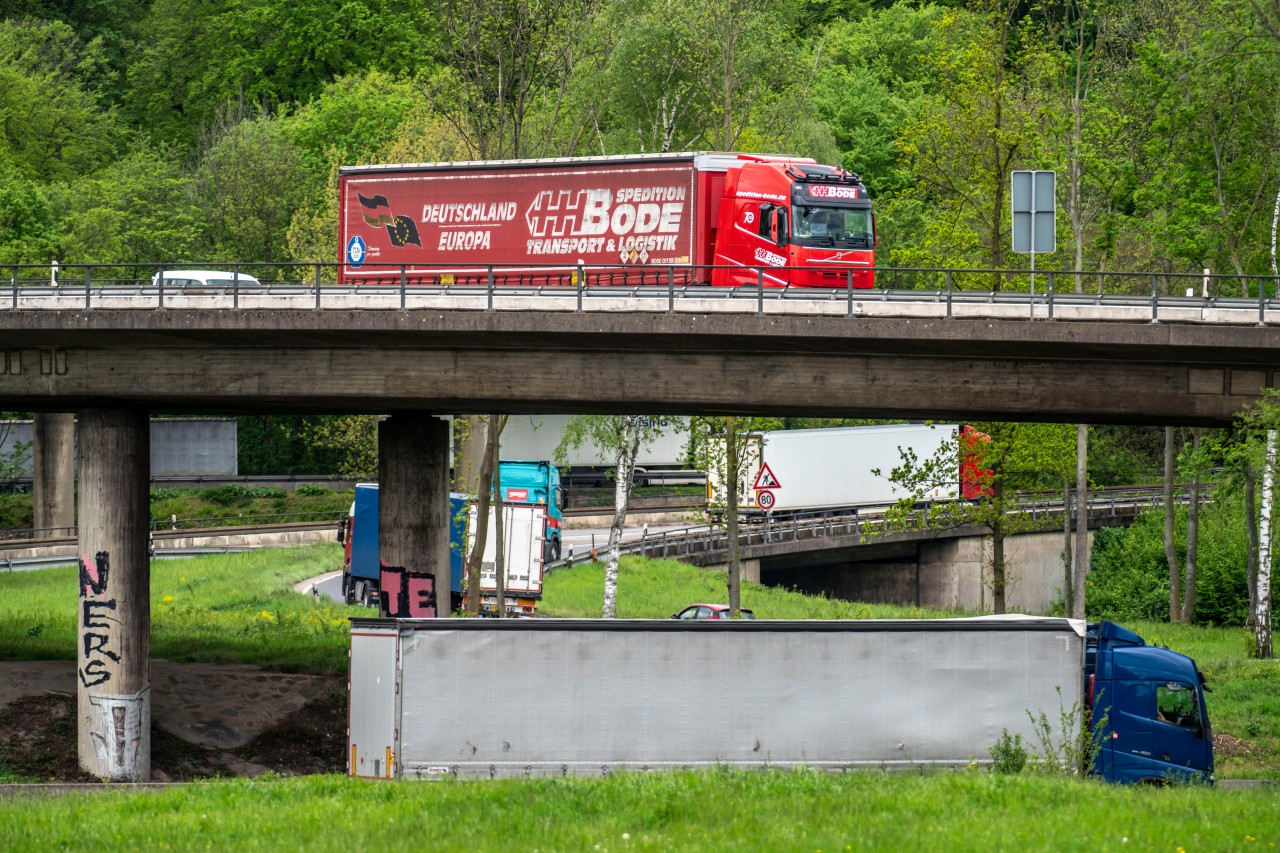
38 742
312 739
38 738
1226 746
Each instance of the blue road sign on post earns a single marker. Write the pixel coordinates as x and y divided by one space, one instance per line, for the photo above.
1033 212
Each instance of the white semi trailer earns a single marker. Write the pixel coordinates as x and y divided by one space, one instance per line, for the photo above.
801 470
588 697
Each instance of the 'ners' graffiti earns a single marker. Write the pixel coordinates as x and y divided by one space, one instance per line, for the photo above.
96 620
406 594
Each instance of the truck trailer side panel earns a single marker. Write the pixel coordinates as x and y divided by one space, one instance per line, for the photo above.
458 219
811 469
583 697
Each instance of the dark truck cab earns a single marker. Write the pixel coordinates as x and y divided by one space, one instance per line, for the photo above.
1147 709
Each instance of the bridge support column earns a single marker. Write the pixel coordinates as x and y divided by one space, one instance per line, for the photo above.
114 646
413 515
53 472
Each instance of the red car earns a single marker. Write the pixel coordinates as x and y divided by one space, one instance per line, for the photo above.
711 611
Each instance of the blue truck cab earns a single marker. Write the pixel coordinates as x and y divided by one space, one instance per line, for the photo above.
1147 709
361 573
531 482
523 482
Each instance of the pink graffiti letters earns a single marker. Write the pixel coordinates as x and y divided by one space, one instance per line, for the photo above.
406 594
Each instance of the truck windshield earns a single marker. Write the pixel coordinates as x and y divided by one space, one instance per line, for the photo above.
839 227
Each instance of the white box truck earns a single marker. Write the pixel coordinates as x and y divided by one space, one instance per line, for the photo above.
800 470
588 697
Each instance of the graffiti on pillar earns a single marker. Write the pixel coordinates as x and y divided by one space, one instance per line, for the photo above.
406 595
119 729
97 620
93 574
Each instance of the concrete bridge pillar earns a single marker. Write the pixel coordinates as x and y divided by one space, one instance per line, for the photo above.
413 515
53 472
114 647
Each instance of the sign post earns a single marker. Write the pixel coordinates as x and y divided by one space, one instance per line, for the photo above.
1034 208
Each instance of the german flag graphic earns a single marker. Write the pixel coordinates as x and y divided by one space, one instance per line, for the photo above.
377 210
401 229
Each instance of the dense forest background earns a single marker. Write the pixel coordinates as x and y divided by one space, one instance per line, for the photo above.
212 130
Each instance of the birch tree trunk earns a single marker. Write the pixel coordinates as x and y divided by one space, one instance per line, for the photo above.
1251 529
1193 540
1262 614
624 471
1170 545
1082 517
483 502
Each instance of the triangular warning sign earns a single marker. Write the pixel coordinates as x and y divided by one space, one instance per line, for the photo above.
766 480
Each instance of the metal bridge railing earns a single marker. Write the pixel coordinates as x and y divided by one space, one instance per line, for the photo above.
1045 295
700 539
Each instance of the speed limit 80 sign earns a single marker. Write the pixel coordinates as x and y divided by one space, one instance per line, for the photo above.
764 499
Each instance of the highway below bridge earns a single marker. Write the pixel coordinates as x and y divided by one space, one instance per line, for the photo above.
849 555
115 354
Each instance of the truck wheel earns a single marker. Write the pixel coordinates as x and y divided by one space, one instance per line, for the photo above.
555 550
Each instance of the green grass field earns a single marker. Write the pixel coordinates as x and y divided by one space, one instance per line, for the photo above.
242 608
713 811
232 608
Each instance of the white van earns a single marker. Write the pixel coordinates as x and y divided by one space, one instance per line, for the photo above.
202 278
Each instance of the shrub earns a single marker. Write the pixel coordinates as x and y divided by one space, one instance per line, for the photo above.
1008 755
230 495
1129 575
312 491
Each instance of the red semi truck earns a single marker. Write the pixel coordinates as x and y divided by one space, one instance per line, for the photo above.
691 218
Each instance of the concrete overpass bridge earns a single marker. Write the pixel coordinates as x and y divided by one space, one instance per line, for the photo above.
113 354
911 354
855 557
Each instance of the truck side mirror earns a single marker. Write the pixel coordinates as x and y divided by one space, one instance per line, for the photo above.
780 226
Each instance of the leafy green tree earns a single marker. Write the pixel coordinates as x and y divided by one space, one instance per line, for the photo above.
730 446
623 436
1018 457
872 74
708 77
55 124
30 218
501 57
350 440
969 135
357 120
198 55
137 210
247 186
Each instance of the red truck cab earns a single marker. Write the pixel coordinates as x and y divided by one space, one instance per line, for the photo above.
812 224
